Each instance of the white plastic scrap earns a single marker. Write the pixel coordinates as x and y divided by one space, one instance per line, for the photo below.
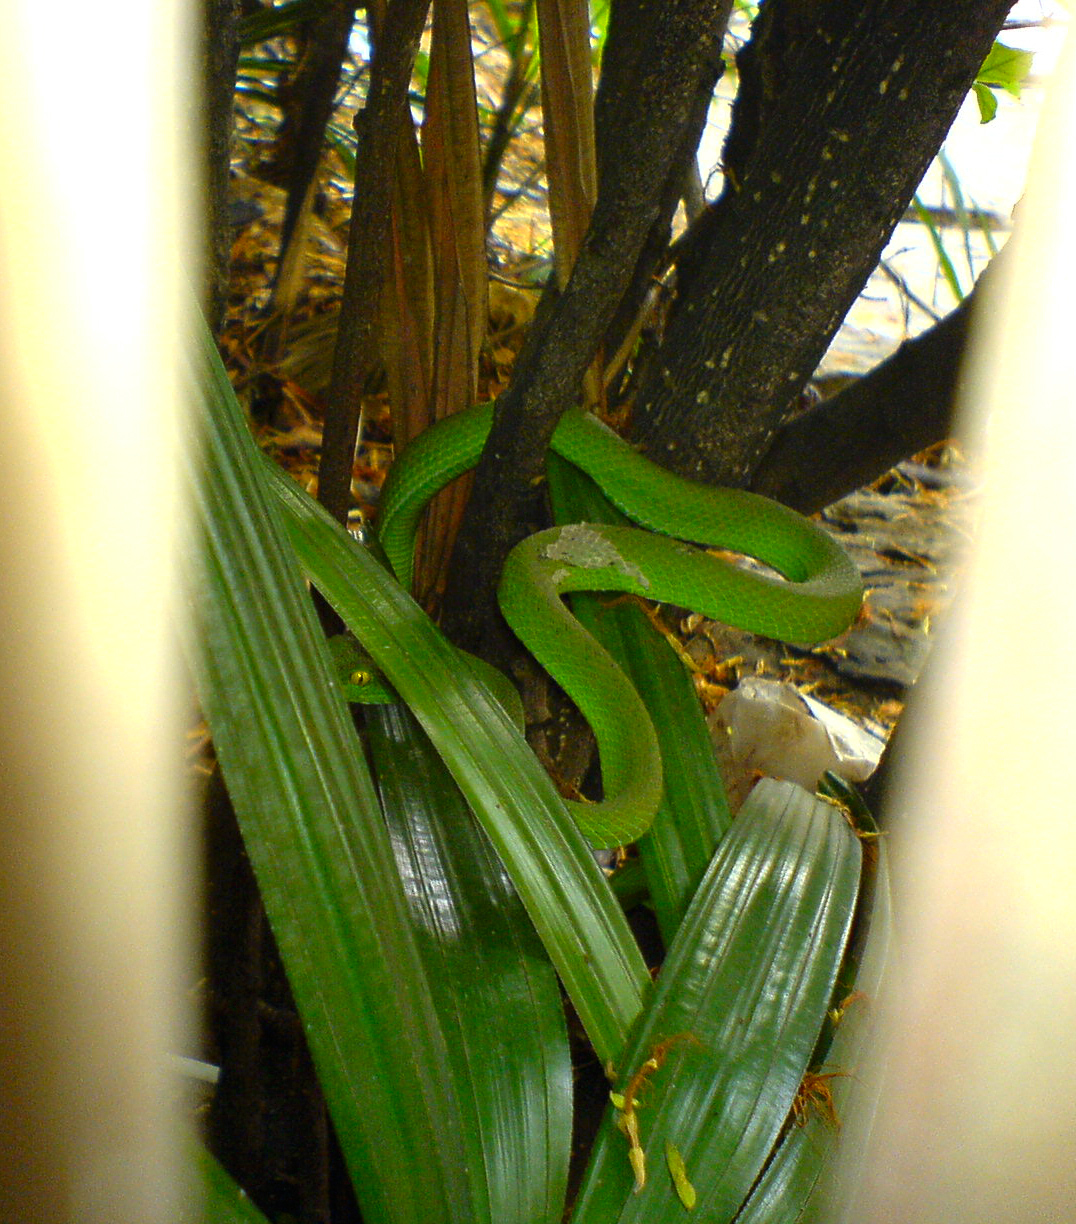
766 727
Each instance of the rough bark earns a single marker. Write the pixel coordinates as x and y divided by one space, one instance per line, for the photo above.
378 126
220 57
841 108
546 385
902 406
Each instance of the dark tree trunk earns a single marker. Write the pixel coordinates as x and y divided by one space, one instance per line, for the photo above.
549 382
220 57
902 406
840 111
309 106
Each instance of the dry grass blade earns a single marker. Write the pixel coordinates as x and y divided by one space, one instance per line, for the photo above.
568 118
407 303
452 162
356 349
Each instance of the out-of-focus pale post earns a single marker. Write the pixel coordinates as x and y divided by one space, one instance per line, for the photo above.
91 938
978 1119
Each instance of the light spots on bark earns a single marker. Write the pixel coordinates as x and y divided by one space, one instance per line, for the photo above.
777 252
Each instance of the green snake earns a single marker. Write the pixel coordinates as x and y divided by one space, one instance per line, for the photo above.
817 596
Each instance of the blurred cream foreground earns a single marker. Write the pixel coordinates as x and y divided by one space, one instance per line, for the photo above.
977 1120
91 936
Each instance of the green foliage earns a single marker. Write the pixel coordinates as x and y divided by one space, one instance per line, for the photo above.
223 1202
314 832
738 1010
1004 68
431 895
424 984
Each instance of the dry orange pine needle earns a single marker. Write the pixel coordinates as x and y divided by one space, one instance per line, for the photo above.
814 1094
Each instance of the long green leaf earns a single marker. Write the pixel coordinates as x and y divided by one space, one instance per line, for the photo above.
739 1008
945 264
799 1183
222 1201
312 827
547 858
493 987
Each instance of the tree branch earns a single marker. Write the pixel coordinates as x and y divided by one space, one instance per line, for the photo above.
513 463
627 43
902 406
819 176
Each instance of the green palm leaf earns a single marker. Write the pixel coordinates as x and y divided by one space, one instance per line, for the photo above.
740 1004
314 833
800 1181
494 989
550 864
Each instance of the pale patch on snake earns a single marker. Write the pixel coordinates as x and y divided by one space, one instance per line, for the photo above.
585 548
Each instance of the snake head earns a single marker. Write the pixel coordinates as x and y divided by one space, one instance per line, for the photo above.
359 677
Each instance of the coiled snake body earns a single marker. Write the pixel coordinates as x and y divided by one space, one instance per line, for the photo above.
816 597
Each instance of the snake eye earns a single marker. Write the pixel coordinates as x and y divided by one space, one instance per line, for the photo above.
360 678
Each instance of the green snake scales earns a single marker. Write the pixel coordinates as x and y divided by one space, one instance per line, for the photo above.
817 596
